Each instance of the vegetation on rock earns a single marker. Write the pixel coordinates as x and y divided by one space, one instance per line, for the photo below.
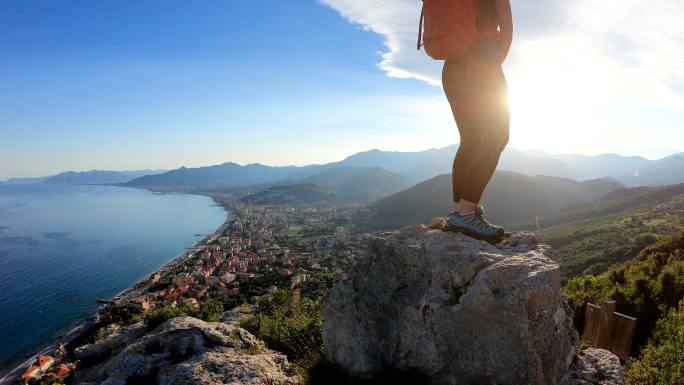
662 360
649 288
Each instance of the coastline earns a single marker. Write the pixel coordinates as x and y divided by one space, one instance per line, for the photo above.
9 376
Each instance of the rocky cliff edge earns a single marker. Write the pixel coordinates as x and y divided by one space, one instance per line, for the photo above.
449 309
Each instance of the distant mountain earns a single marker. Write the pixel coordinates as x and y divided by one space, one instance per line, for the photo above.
338 185
509 198
665 171
222 175
629 170
590 167
98 176
419 166
26 180
422 165
414 166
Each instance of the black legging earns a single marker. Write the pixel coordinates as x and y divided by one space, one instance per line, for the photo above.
476 89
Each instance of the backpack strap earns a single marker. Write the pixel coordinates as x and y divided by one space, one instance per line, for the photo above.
420 28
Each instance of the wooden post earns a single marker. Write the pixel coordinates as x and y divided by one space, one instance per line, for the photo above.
592 316
604 338
606 329
622 335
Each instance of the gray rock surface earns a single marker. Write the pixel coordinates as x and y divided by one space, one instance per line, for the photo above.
454 309
595 367
186 350
115 341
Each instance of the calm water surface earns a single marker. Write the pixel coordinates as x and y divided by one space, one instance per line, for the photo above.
64 247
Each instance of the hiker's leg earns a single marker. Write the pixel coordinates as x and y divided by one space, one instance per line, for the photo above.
458 92
460 167
494 130
483 170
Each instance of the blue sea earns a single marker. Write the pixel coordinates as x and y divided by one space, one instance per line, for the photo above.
64 247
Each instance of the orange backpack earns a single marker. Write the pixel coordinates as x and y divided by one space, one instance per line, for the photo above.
448 28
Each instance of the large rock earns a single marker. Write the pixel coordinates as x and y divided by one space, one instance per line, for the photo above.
595 367
452 310
186 350
113 342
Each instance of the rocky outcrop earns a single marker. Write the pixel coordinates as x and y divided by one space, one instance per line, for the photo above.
113 342
595 367
452 310
186 350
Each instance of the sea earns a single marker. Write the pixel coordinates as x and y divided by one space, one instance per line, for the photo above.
63 247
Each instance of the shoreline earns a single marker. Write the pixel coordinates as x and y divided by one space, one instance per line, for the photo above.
9 376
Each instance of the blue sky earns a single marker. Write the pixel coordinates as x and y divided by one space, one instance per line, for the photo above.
95 84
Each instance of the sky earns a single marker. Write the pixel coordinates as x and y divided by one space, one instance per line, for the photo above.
141 84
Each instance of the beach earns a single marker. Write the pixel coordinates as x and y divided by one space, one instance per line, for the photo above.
108 266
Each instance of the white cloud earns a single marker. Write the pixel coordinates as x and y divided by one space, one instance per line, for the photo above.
630 34
397 22
573 63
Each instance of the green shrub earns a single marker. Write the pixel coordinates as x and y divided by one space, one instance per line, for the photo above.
645 288
158 316
210 311
662 360
293 329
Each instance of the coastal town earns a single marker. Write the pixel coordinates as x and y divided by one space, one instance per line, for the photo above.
257 251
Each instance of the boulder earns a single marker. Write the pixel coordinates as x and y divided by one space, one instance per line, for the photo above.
595 367
186 350
448 309
114 341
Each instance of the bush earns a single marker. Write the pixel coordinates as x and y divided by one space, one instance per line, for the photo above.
662 360
209 311
293 329
646 287
157 317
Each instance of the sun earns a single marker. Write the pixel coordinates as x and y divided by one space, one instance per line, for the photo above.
550 93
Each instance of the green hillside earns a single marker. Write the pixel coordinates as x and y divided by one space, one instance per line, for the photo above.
290 194
589 238
509 198
647 288
337 185
360 184
614 202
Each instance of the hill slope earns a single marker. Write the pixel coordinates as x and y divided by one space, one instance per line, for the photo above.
589 238
340 185
509 198
99 177
360 184
291 194
645 287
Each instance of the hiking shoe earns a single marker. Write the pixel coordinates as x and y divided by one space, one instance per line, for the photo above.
474 225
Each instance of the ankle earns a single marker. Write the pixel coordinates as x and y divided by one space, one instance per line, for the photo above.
465 207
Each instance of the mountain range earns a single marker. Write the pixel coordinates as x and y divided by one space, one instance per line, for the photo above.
510 198
422 165
88 177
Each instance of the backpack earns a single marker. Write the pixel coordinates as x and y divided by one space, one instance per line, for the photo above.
448 28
